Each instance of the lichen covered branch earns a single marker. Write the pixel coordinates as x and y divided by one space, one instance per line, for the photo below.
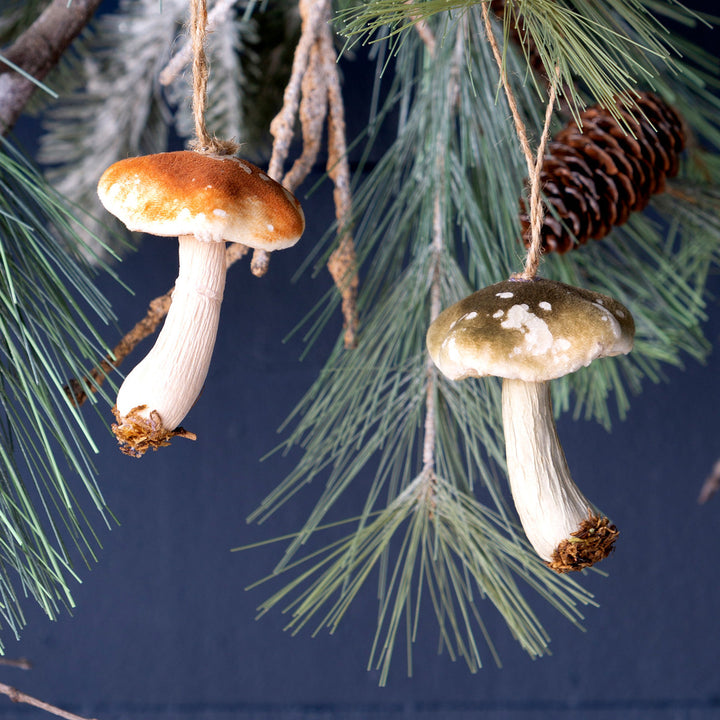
343 262
282 127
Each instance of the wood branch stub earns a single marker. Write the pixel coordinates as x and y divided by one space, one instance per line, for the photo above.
37 51
711 484
20 697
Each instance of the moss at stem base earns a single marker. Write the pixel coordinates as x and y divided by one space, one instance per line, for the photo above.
136 434
593 541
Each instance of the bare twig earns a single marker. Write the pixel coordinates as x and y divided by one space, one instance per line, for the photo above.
425 33
20 697
37 51
21 663
711 484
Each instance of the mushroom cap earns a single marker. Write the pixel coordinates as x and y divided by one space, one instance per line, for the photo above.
213 197
532 330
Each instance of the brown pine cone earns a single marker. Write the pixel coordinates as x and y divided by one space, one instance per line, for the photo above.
593 178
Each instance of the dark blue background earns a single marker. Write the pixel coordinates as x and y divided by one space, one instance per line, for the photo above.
164 628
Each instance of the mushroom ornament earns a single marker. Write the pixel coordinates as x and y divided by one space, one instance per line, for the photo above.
529 332
204 200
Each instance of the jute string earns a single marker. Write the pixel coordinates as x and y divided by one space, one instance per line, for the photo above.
534 162
204 142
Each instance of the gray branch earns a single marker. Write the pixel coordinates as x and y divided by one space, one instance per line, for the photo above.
37 51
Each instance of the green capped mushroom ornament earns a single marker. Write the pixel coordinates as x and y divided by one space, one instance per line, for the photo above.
530 332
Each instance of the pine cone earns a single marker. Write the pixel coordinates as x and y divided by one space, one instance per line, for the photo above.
593 179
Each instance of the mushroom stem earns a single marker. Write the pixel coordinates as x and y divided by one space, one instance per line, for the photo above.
557 518
161 389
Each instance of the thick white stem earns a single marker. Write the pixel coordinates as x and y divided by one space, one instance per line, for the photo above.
550 505
169 379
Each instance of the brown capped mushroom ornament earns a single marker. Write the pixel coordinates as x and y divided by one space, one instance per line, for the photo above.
529 332
206 201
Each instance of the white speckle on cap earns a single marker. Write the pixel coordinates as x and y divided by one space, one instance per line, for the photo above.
545 305
219 212
498 313
450 348
208 187
620 313
263 176
537 338
271 227
132 198
469 316
504 295
200 217
563 344
290 196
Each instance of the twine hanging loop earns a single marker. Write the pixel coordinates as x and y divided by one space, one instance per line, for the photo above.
203 142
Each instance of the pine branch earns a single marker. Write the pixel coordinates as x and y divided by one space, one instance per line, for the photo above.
37 51
382 410
608 48
426 444
50 308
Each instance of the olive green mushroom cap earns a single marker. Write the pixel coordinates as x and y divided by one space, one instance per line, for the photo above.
532 330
